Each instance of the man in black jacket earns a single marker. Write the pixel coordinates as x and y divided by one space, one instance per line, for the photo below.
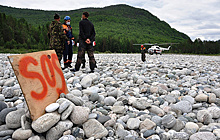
86 38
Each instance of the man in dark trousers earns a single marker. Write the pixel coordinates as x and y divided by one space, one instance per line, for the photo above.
84 59
86 38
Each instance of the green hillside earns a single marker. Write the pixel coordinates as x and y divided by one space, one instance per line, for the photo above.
117 19
117 27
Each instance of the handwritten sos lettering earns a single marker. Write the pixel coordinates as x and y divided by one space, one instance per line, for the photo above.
41 79
47 77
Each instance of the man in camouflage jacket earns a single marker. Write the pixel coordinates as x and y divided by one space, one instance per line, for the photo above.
57 36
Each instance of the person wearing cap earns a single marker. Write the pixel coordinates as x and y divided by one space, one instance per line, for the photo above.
68 49
57 36
143 51
86 38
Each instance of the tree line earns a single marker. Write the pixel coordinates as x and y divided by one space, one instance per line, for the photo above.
17 35
197 47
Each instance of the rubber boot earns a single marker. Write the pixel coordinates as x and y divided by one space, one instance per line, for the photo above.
69 64
84 65
95 65
65 65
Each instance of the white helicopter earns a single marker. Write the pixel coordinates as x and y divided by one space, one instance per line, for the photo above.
155 48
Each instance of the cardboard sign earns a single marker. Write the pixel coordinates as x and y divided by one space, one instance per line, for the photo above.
41 79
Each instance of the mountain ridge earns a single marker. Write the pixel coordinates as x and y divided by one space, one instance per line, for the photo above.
121 23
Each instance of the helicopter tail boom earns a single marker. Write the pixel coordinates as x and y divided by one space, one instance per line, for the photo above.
165 49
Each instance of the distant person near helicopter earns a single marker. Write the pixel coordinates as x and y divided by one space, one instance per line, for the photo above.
143 51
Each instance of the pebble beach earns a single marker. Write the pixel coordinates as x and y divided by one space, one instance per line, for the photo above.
168 97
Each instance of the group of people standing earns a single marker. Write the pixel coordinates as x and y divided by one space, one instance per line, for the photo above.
62 41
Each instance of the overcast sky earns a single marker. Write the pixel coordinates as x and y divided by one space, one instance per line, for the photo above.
196 18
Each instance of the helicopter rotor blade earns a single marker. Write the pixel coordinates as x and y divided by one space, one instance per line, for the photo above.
148 44
145 44
174 43
164 44
167 43
137 44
